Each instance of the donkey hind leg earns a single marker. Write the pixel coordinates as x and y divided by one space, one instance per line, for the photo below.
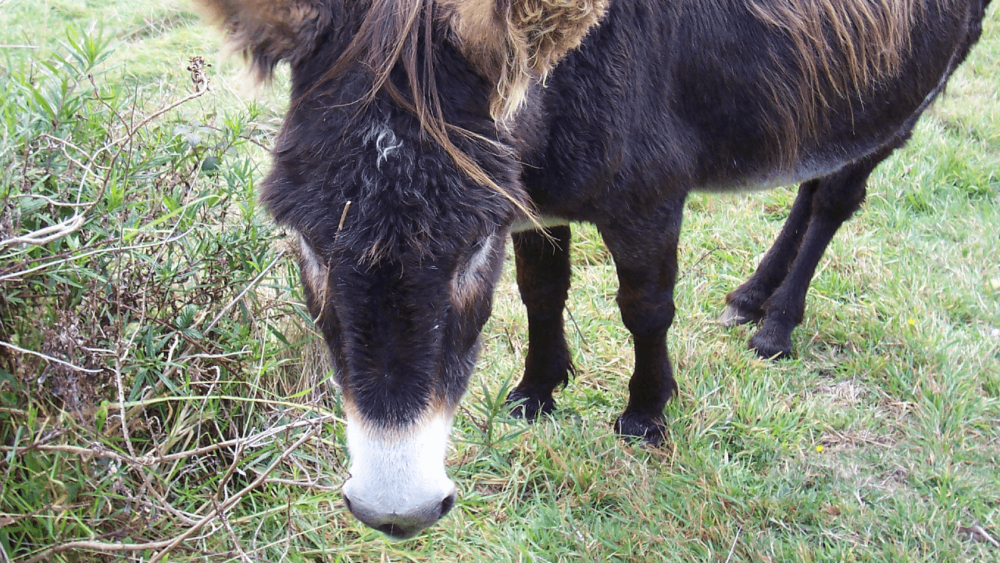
745 304
543 273
835 198
647 272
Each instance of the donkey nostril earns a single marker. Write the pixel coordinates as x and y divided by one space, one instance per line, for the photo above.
447 504
347 501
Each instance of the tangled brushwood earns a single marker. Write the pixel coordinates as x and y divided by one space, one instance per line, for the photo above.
139 287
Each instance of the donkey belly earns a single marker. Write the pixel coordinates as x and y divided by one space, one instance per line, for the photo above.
787 125
853 130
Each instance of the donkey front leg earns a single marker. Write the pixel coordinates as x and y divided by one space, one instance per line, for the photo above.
645 255
543 272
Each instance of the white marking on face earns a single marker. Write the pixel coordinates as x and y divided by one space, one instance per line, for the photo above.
398 474
385 143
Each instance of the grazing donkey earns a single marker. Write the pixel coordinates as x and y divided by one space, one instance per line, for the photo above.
422 132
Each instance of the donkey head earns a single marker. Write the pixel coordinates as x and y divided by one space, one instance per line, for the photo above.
392 168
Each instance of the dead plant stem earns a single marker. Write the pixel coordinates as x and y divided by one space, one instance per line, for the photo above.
47 358
233 499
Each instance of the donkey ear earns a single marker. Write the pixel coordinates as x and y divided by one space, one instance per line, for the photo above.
516 42
539 34
269 31
552 28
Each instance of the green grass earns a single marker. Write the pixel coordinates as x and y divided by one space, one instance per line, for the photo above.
878 441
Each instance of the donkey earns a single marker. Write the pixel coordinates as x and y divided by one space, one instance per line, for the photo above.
422 132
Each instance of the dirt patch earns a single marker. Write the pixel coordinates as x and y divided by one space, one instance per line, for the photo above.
847 393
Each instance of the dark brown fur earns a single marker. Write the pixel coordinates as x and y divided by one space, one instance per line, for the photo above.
844 48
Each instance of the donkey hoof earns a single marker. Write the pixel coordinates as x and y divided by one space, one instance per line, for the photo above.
528 407
735 316
771 346
634 425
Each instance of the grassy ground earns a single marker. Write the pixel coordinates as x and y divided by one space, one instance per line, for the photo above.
174 306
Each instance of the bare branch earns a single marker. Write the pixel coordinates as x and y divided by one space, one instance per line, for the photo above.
100 451
49 201
97 546
133 130
48 234
305 485
71 258
47 358
234 499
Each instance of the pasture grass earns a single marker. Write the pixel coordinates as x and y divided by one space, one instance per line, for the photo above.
174 306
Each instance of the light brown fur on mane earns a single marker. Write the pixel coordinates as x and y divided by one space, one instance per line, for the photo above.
844 48
516 42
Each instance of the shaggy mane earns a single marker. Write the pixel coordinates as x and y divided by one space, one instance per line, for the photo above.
512 42
516 42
